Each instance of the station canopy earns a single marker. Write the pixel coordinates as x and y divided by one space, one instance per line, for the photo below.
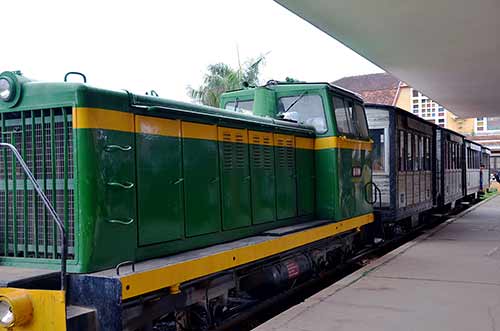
447 49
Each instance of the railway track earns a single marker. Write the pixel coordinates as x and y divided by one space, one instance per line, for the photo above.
258 313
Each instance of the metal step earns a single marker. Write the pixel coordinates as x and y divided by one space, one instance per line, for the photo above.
80 318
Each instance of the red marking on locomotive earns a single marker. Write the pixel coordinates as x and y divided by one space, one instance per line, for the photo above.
293 269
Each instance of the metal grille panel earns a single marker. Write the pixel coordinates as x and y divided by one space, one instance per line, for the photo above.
45 140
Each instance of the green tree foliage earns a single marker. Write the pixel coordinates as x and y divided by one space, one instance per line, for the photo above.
220 78
292 80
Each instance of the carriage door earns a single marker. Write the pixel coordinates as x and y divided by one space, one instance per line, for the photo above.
159 180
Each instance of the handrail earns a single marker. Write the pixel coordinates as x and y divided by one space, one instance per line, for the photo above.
377 191
49 206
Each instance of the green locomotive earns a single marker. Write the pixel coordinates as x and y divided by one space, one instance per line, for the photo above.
135 178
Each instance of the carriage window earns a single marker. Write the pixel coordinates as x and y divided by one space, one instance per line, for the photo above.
240 106
420 153
416 156
458 156
343 125
409 158
454 164
453 156
401 160
306 109
424 146
447 154
378 152
427 154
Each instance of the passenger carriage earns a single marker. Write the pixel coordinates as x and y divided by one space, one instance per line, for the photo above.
485 169
449 168
472 171
403 159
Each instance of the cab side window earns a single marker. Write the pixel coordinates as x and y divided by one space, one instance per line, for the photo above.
245 106
341 116
359 120
350 118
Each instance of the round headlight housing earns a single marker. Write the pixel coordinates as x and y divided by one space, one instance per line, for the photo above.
7 318
16 309
7 89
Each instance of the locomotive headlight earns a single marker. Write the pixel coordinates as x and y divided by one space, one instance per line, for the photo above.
15 309
6 314
6 90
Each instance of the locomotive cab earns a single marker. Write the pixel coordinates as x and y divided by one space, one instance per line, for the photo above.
342 144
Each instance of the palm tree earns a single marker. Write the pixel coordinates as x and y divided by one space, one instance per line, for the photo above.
221 78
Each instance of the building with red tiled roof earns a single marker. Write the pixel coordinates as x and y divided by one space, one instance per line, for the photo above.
373 88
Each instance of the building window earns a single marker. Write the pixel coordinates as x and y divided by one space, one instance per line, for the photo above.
493 124
441 120
415 93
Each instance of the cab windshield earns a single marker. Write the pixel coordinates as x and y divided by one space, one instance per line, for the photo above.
306 109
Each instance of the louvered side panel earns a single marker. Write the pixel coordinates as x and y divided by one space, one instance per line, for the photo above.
263 181
235 176
286 186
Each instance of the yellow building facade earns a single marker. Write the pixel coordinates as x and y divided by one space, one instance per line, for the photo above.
415 102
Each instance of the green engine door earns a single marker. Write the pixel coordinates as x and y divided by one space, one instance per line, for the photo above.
235 174
286 194
201 174
159 180
263 179
305 176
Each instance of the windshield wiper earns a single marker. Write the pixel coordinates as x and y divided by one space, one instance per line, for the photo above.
295 101
236 103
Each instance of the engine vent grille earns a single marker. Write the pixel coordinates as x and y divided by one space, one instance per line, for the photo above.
45 140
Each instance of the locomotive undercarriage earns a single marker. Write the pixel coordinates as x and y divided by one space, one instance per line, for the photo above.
206 303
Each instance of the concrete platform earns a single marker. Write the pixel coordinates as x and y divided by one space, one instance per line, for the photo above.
447 279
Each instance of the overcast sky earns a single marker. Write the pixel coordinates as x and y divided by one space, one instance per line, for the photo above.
165 45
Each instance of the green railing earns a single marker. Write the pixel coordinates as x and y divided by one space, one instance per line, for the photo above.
44 140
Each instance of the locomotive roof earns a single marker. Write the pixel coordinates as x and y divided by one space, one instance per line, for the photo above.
309 85
39 94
